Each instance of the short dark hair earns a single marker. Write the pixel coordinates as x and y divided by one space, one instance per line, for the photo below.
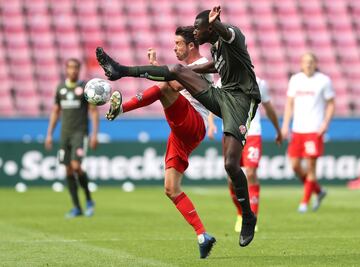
204 16
187 32
77 62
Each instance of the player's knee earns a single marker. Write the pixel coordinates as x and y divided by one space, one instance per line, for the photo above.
296 167
231 167
251 177
76 167
171 192
69 171
176 68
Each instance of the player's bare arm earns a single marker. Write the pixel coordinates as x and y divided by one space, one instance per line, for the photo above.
216 24
289 106
271 114
54 117
94 117
208 67
329 112
212 129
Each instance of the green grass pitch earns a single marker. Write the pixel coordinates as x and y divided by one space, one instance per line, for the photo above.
143 228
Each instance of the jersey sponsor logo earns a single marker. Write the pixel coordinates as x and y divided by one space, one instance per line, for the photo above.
69 104
305 93
78 91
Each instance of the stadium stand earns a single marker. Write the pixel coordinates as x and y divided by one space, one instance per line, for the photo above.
37 36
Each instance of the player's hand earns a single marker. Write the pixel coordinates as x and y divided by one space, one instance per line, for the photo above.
322 130
151 53
214 14
279 139
48 142
93 141
212 130
285 132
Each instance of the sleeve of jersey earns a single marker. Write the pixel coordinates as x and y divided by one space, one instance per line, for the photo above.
233 35
291 92
329 91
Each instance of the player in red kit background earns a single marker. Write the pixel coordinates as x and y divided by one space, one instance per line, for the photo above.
310 101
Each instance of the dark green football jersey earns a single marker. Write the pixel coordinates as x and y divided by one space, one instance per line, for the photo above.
233 63
74 108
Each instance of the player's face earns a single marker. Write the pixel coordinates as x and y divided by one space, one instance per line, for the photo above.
72 71
181 49
308 64
201 32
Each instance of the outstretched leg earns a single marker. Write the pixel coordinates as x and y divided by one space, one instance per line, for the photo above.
188 78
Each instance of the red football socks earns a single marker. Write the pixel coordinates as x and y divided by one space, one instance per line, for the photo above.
254 194
234 199
187 209
308 189
147 97
317 188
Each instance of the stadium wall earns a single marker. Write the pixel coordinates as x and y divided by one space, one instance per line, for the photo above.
136 154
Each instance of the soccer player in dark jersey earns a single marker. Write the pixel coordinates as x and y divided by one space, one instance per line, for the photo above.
71 104
236 102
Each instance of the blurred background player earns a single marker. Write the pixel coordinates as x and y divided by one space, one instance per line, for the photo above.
310 100
71 104
236 102
252 152
187 119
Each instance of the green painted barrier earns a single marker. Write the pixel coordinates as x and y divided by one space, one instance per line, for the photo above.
142 163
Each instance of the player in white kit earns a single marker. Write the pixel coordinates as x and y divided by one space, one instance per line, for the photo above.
310 101
252 151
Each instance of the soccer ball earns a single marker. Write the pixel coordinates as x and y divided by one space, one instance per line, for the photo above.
97 91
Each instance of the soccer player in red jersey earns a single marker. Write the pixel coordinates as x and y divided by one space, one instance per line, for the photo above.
310 101
187 119
252 152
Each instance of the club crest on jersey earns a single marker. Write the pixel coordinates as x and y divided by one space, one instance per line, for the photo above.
139 96
78 91
242 129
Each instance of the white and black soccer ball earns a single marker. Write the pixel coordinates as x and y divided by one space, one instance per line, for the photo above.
97 91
